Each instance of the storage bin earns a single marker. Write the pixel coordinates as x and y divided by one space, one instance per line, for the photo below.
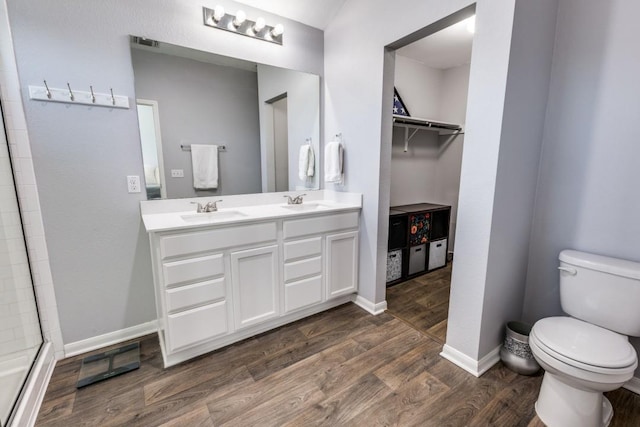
419 228
397 232
394 265
417 259
437 254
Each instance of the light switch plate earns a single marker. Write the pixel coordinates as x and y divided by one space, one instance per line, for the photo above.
177 173
133 183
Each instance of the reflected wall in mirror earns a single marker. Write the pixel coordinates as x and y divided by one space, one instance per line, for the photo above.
264 116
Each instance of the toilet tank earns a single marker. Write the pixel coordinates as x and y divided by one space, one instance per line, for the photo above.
601 290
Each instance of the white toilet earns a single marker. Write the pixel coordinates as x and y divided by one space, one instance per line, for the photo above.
588 353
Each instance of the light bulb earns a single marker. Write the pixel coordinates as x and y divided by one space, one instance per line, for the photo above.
471 24
239 19
259 25
218 13
277 30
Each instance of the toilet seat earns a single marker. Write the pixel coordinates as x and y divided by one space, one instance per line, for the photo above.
584 346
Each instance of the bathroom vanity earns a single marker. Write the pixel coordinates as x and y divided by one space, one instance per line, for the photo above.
255 264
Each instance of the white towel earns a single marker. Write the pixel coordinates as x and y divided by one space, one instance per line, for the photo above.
306 162
333 156
204 159
311 167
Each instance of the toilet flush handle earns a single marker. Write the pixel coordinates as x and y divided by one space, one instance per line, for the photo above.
571 271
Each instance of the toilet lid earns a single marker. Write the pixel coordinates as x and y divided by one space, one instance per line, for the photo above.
584 343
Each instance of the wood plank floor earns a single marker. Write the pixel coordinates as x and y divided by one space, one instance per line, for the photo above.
423 302
340 367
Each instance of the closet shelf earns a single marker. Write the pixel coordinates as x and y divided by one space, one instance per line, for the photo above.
426 124
415 123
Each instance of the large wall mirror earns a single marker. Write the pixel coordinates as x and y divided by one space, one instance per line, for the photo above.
264 120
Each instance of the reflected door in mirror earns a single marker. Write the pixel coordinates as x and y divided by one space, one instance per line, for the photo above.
149 123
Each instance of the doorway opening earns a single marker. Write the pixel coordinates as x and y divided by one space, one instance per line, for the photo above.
278 143
151 140
431 79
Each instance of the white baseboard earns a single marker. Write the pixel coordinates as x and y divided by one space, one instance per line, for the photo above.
26 412
633 385
372 308
474 367
94 343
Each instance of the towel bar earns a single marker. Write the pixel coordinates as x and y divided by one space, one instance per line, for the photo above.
187 147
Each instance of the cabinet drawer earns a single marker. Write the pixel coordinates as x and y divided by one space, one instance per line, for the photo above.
320 224
302 248
302 293
193 269
193 326
196 294
298 269
209 240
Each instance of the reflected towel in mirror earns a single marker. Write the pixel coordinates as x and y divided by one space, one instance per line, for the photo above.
306 162
204 160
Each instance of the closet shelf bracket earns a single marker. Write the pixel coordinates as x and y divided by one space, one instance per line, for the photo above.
408 137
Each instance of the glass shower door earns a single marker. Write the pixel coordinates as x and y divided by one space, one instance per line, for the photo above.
20 333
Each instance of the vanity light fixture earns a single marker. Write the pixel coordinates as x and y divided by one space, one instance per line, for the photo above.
218 13
277 30
259 25
239 19
239 24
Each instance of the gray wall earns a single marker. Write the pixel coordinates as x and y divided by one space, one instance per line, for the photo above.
523 124
303 120
98 248
588 197
355 107
202 103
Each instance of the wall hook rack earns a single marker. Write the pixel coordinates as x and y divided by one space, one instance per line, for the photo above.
68 96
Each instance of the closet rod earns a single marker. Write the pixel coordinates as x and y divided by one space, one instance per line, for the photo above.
403 121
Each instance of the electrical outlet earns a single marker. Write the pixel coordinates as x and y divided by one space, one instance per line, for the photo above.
133 183
177 173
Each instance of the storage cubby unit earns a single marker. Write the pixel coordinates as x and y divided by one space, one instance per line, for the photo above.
418 240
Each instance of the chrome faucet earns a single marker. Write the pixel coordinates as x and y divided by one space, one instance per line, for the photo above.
208 207
295 200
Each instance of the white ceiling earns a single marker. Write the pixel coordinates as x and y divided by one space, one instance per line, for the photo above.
448 48
315 13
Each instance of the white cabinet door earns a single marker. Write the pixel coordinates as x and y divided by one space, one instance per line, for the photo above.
342 264
254 274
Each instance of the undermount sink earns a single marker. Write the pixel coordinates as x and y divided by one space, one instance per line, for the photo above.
310 206
204 217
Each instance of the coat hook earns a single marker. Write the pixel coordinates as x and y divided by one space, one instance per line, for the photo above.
113 98
48 91
93 96
71 97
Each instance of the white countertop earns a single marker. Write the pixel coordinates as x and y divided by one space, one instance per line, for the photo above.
174 214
